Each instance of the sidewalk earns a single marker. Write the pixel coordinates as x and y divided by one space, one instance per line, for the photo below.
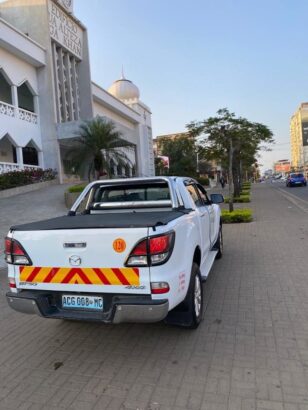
30 207
249 353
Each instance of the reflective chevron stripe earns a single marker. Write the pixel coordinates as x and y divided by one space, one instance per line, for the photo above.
84 276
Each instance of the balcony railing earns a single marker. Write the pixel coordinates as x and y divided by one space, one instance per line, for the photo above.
31 166
24 115
7 109
11 166
27 116
8 167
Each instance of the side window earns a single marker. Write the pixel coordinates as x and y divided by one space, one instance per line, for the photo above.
83 204
194 194
203 195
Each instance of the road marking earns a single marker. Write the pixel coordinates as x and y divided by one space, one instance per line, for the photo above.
295 200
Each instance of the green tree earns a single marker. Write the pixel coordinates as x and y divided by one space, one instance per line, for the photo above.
98 147
233 141
182 155
159 166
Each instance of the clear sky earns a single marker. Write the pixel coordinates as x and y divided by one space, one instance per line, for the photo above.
190 58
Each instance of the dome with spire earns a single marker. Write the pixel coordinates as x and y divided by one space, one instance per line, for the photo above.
124 89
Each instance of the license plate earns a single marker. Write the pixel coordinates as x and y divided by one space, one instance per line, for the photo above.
82 302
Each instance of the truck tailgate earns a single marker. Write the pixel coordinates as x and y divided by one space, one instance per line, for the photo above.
82 260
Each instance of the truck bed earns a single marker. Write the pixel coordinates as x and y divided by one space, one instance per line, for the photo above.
104 220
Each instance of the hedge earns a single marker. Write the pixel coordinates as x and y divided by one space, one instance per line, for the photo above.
15 179
245 192
237 216
240 199
76 188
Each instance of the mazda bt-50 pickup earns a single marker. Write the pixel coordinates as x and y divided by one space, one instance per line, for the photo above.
129 250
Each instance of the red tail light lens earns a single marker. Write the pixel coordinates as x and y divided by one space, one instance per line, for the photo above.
140 248
17 249
7 245
12 283
139 255
157 288
151 251
15 253
159 244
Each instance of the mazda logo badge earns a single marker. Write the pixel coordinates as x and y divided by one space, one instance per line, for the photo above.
75 260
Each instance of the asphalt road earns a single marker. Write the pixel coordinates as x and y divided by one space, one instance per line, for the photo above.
300 192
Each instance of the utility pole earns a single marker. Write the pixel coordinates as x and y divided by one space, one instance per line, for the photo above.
197 170
230 174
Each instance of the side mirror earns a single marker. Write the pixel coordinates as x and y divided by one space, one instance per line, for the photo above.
217 198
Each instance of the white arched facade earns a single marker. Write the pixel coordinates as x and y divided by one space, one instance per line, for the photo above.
19 115
48 91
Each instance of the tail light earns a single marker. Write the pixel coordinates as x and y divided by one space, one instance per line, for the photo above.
157 288
15 253
12 283
154 250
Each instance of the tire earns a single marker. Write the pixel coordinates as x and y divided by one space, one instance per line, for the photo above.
194 298
219 244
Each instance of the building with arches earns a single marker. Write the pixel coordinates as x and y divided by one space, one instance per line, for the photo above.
46 91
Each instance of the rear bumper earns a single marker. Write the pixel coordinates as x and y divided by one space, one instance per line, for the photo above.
122 308
297 183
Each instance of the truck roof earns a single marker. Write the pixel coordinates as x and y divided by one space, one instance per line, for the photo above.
138 179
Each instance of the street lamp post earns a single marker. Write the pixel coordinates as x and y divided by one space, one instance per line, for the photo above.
230 176
197 162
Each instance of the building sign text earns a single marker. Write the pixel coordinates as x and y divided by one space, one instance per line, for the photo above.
64 30
68 4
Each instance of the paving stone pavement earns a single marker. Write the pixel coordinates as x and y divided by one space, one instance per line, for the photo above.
33 206
250 352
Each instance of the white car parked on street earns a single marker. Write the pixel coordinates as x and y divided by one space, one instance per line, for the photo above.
130 250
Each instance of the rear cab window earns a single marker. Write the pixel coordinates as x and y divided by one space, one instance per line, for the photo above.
125 195
128 193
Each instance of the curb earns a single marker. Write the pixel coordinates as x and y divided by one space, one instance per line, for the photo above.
7 193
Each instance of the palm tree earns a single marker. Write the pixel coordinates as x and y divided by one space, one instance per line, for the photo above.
99 146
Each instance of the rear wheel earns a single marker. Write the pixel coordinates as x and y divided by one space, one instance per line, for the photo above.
189 313
194 298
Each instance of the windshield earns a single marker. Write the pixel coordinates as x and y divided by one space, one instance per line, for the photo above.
296 175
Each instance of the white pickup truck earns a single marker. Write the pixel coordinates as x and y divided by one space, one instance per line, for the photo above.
129 250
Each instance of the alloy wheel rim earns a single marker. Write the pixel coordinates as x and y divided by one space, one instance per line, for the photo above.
197 296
